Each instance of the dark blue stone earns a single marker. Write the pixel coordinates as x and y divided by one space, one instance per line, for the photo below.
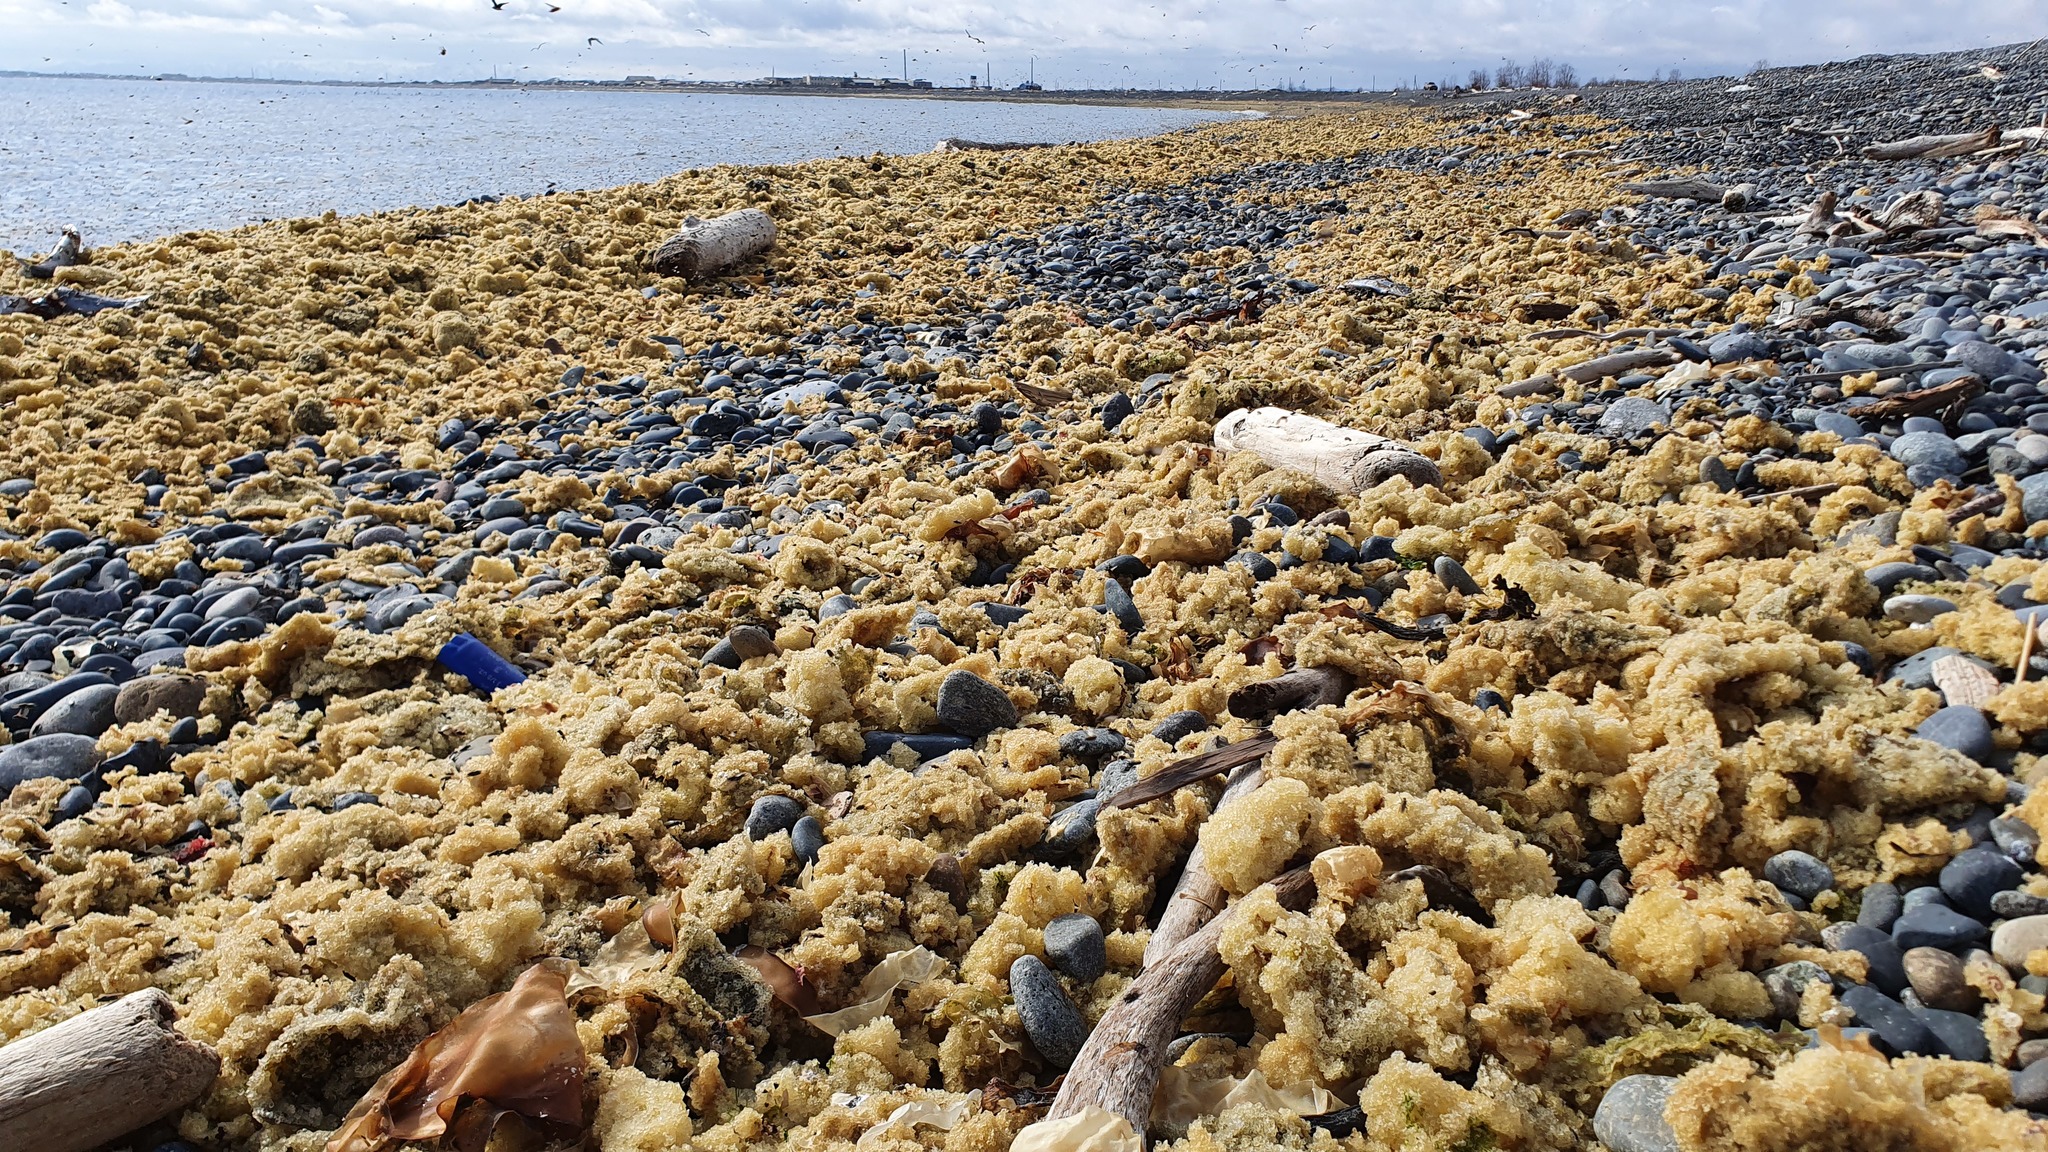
925 745
1898 1029
1974 877
1936 926
1887 959
1180 725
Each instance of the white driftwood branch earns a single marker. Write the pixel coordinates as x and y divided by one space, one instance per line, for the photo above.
1197 898
1118 1067
711 246
100 1075
1347 460
1958 144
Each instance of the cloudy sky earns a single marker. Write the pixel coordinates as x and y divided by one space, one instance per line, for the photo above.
1076 43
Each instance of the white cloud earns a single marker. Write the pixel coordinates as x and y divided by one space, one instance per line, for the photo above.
1167 43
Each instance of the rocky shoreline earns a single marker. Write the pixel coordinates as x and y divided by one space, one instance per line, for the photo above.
1682 791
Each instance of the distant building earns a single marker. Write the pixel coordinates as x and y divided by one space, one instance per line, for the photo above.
1030 86
640 80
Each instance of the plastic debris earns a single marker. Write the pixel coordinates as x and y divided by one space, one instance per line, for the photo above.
472 659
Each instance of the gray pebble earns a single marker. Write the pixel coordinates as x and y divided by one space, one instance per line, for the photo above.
1800 873
1881 906
1072 828
1453 576
1054 1025
1074 945
2030 1087
808 836
1960 727
1631 1115
1916 609
86 712
1787 984
1633 416
772 814
1091 743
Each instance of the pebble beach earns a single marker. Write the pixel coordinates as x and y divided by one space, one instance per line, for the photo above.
402 610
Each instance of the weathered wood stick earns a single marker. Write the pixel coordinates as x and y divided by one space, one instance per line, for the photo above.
1197 897
1301 688
1119 1065
1344 458
1619 364
99 1075
1677 189
708 247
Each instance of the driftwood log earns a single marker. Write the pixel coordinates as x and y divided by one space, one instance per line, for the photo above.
1118 1067
1347 460
100 1075
708 247
961 144
1956 144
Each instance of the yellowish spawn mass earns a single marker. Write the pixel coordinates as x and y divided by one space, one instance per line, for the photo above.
1678 687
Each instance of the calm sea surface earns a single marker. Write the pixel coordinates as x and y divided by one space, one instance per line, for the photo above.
128 159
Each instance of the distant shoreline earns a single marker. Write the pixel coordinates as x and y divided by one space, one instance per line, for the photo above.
1121 98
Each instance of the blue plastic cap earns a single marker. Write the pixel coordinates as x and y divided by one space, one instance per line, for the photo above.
473 659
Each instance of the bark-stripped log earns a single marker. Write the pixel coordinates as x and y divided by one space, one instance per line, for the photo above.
1347 460
709 247
100 1075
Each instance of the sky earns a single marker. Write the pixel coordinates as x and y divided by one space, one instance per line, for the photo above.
1230 44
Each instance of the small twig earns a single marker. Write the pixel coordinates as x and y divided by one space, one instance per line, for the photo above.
2032 629
1985 502
1796 493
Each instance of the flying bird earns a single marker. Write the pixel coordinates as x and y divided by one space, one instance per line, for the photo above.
554 7
497 5
973 37
702 32
444 51
589 40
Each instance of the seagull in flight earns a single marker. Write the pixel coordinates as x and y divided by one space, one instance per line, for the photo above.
497 5
589 40
976 39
